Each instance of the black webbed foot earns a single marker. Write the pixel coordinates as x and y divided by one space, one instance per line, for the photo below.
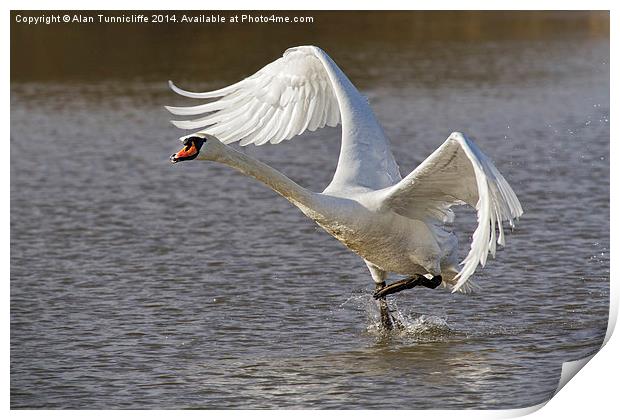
431 283
408 283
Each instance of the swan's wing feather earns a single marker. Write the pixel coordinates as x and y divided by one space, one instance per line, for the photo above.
458 173
304 90
283 99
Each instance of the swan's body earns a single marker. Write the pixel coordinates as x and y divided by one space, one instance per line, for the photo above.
396 225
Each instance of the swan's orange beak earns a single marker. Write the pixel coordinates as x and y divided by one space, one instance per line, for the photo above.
188 152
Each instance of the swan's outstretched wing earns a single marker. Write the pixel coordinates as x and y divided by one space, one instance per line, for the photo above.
302 90
458 173
283 99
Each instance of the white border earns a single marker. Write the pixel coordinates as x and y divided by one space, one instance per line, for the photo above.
592 394
313 5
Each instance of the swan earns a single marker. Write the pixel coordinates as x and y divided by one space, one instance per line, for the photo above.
395 224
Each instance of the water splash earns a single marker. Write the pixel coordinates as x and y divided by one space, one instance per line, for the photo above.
416 326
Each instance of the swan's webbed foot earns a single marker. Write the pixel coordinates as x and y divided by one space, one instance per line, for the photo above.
408 283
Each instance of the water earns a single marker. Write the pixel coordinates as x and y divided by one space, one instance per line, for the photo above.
136 284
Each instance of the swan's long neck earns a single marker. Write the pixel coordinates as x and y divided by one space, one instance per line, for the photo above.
307 201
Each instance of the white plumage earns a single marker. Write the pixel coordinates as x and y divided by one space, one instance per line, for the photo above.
396 225
282 100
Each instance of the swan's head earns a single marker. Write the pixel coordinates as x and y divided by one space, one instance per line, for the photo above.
191 148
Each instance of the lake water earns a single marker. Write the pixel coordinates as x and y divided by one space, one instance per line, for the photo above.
137 284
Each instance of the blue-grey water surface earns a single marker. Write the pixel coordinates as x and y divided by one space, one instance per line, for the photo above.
137 284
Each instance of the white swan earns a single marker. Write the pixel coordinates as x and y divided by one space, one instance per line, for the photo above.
395 224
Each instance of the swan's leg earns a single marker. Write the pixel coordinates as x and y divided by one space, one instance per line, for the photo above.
408 283
386 318
379 276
